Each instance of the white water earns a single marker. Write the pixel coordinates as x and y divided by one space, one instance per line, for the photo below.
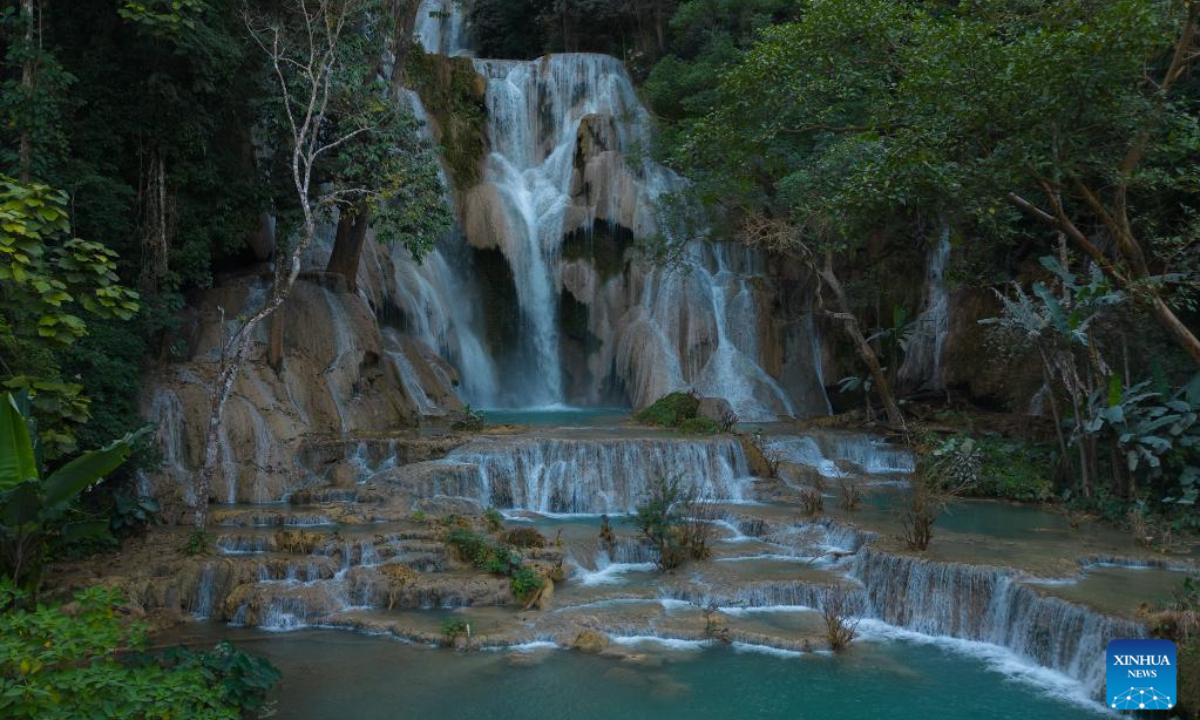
923 360
438 302
442 28
837 455
591 476
534 113
661 331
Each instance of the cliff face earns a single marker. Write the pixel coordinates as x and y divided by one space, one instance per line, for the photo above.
344 372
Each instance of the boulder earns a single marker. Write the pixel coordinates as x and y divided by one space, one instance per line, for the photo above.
715 409
590 641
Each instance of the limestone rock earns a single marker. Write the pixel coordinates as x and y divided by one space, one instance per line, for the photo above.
715 409
590 641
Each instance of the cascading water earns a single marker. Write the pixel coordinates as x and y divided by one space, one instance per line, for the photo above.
441 27
923 361
592 476
988 605
563 130
535 110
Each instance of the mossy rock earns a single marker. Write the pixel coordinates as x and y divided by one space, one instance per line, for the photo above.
671 410
699 425
455 96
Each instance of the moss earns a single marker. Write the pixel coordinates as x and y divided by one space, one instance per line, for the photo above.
455 96
671 410
1016 470
699 425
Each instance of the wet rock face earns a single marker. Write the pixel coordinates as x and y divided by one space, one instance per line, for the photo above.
341 373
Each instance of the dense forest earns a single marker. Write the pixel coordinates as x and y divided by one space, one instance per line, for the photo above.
150 149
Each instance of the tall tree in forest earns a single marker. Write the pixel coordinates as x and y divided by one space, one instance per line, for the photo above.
862 117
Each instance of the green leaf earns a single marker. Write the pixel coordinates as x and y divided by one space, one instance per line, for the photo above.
20 505
70 480
17 463
1115 387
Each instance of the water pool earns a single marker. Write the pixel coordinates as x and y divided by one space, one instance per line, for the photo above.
334 674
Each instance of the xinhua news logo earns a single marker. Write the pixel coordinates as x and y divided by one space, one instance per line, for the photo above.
1141 675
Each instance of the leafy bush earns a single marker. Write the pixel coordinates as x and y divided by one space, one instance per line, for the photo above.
496 559
131 512
469 420
670 410
83 661
1015 470
699 425
524 538
200 542
454 627
676 521
525 582
493 519
34 505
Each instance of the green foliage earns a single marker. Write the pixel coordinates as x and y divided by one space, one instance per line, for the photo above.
493 519
674 519
132 511
162 17
525 582
699 425
454 627
34 509
955 461
708 36
83 660
670 410
496 559
48 279
1015 470
200 542
469 420
454 96
420 516
1155 434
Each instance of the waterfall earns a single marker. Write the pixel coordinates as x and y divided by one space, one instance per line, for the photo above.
441 27
923 361
989 605
563 132
437 302
731 369
833 454
535 111
593 476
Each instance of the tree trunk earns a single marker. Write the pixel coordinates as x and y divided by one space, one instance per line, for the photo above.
660 26
275 348
347 248
865 352
25 147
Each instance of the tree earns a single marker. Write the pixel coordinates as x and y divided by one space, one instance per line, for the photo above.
86 659
303 49
335 145
675 520
49 280
409 206
861 118
32 507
